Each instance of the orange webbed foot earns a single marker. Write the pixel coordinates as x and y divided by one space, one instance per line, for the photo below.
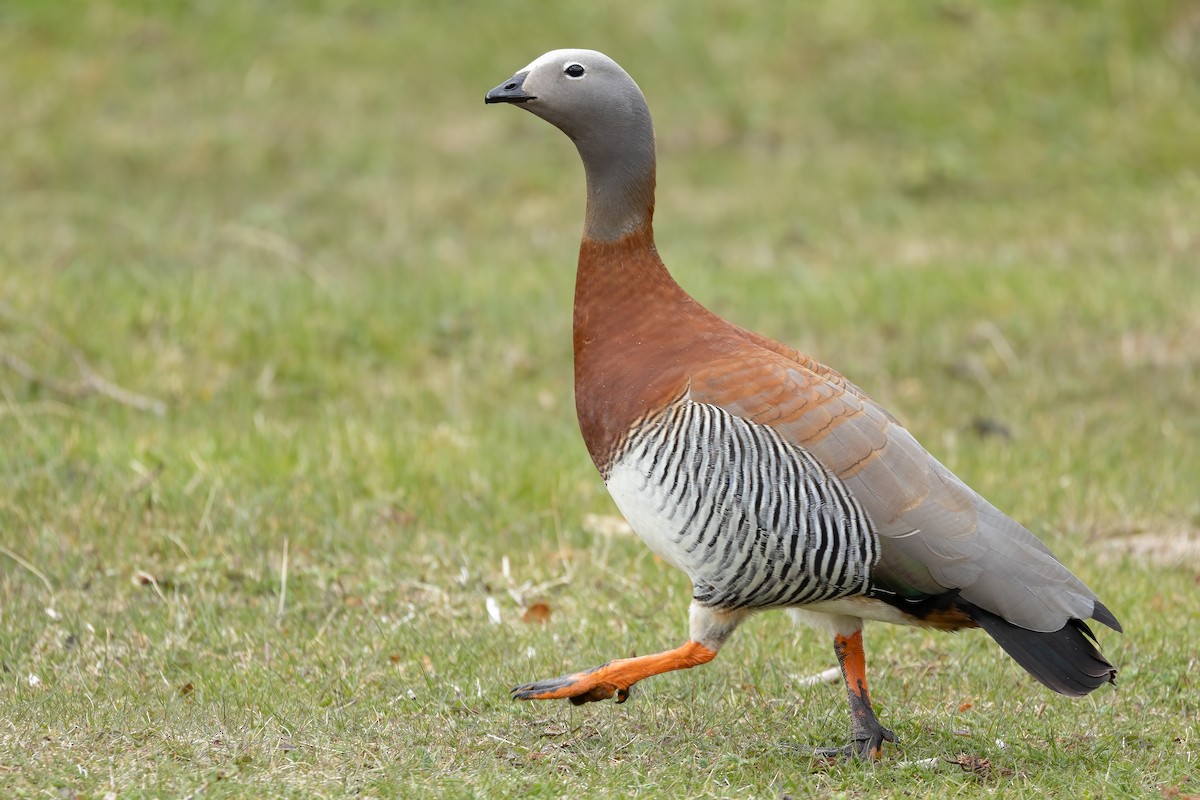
615 677
579 688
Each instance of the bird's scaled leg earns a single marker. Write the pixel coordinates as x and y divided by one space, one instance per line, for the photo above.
866 734
708 629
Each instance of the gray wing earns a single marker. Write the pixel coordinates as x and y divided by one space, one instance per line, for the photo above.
937 534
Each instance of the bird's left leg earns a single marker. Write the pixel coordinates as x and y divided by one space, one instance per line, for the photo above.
708 629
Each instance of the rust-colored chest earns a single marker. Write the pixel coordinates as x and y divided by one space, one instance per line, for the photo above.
638 336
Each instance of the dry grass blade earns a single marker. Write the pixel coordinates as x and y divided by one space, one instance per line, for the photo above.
29 568
90 382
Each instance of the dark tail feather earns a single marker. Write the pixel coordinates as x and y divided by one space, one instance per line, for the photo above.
1065 660
1101 614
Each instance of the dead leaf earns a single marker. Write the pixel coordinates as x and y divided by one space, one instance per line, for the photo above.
1175 793
538 613
973 764
395 516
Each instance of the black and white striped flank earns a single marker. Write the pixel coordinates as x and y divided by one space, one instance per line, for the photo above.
755 521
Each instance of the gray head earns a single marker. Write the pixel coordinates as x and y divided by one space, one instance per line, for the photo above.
587 96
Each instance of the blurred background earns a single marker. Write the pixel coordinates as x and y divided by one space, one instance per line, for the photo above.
291 489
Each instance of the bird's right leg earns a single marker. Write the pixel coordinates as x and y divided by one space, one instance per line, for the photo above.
866 734
708 630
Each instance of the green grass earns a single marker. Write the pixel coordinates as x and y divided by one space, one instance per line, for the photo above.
298 226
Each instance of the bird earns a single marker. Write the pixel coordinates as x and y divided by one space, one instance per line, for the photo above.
771 480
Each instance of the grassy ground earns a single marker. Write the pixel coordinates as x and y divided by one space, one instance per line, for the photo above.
298 227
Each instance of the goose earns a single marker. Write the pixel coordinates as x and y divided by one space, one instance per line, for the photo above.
768 478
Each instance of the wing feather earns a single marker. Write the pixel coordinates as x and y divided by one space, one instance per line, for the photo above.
938 534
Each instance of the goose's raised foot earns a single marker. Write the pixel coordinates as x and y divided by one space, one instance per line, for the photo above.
615 677
579 688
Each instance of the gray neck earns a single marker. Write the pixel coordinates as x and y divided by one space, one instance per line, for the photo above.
619 161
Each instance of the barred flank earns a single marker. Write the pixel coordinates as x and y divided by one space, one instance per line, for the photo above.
758 522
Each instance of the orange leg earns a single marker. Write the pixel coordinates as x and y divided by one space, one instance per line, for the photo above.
866 734
709 628
615 677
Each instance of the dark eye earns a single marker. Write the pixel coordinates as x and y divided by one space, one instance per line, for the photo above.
573 70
